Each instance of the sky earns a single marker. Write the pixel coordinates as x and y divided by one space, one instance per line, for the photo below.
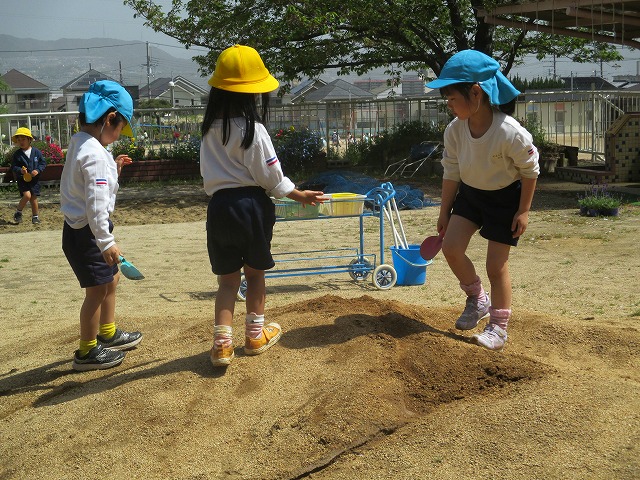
55 19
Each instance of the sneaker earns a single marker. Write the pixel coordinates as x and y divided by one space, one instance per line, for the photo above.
221 356
17 217
493 337
121 340
98 358
474 311
271 333
35 220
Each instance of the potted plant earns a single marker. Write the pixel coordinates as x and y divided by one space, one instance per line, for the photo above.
597 200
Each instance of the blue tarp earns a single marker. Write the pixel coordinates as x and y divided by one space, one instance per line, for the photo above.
334 181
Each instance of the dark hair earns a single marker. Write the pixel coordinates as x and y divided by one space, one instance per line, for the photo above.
116 121
225 105
464 89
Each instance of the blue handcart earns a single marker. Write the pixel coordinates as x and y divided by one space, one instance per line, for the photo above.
354 261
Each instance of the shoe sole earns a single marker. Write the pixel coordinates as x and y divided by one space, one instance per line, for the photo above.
85 367
222 362
266 346
460 327
126 346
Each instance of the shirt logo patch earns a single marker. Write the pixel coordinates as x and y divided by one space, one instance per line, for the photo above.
271 161
101 181
532 151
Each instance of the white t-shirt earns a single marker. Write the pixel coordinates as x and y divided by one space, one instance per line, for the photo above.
504 154
231 166
88 187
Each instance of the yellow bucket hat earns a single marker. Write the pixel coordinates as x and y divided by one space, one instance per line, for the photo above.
24 131
240 69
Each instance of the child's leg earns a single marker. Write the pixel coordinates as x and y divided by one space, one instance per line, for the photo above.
454 247
258 336
498 273
90 315
34 205
222 352
494 335
26 198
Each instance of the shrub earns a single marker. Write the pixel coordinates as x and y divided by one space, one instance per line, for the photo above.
296 149
129 147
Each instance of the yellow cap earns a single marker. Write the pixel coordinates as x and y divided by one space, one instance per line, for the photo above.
240 69
24 131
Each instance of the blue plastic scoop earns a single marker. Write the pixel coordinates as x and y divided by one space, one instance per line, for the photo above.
129 270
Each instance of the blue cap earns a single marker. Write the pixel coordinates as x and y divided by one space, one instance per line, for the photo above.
472 66
103 95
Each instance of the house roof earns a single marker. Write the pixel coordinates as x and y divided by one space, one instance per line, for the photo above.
19 81
161 85
585 83
338 90
81 83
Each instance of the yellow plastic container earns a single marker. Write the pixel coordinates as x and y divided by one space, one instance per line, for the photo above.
343 204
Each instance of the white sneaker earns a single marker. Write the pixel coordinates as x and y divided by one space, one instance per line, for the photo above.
492 338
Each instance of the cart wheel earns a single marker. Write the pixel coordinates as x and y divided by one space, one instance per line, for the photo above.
242 291
384 277
359 270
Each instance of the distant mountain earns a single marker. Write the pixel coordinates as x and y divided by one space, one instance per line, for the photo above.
55 63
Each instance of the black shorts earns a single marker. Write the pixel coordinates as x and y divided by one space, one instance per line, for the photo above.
33 186
239 229
85 258
491 210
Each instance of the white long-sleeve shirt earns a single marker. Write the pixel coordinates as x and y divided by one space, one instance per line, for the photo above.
504 154
231 166
88 187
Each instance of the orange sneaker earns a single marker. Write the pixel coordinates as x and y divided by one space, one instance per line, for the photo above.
221 356
271 333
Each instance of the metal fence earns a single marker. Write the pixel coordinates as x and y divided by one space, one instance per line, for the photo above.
573 118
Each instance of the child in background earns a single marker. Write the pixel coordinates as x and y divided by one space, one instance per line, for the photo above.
27 165
87 197
241 170
490 171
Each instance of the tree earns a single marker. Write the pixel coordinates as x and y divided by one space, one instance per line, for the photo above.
304 38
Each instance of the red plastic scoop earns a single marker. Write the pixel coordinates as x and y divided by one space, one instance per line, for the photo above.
431 246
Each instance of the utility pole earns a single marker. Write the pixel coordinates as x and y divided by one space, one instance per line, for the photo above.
148 73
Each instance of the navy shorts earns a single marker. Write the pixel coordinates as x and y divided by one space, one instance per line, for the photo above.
239 229
85 258
491 210
33 186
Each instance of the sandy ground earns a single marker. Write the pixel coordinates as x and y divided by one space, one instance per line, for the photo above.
364 383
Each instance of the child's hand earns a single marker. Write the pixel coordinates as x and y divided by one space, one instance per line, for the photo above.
112 255
123 160
34 173
312 197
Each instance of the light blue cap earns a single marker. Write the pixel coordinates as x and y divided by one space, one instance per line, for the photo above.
472 66
101 96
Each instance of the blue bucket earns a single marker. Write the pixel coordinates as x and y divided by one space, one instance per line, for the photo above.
409 265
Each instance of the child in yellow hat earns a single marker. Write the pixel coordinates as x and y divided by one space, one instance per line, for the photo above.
241 170
27 165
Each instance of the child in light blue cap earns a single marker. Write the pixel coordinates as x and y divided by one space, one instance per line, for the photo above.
87 198
490 172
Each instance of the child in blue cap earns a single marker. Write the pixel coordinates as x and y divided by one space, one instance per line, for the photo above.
490 171
87 197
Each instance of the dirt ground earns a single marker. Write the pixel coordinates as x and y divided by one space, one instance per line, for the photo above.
364 383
